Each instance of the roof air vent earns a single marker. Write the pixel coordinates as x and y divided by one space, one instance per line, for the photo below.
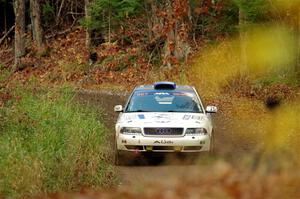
165 85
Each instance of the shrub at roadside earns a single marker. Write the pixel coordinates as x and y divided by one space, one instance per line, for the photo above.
48 144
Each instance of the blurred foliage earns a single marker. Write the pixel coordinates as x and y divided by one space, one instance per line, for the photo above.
285 4
270 49
271 55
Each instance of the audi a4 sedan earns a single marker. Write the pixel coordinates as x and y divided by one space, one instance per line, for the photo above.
163 117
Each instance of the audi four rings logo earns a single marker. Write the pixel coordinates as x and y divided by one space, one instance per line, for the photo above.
163 131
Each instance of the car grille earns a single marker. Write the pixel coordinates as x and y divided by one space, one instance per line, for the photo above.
163 131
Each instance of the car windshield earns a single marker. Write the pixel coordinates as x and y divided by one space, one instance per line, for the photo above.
164 101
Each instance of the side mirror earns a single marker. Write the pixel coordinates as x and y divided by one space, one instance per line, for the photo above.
211 109
118 108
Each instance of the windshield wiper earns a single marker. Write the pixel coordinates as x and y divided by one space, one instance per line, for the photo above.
183 111
138 111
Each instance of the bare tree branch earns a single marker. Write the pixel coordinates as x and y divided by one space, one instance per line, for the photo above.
60 8
7 33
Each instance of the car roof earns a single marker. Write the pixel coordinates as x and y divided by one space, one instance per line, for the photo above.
151 88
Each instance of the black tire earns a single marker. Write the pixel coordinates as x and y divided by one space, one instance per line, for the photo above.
117 156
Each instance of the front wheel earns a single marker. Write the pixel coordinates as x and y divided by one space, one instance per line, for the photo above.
117 156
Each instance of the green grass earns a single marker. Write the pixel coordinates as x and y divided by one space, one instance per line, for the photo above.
4 73
288 78
49 144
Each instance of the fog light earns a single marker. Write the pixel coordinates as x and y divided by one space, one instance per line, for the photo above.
196 131
130 130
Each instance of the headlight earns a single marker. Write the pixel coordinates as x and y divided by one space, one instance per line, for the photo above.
196 131
130 130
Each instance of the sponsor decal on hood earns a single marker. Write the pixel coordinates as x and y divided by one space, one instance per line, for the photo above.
141 116
193 117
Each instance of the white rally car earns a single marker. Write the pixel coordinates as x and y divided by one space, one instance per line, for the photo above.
164 117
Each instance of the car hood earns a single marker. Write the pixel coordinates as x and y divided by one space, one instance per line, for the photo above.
162 119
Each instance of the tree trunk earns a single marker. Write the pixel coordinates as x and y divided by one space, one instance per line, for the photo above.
5 19
243 42
177 48
109 24
170 41
152 19
37 31
19 9
88 31
59 12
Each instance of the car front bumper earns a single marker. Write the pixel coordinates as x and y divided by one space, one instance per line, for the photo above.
140 143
